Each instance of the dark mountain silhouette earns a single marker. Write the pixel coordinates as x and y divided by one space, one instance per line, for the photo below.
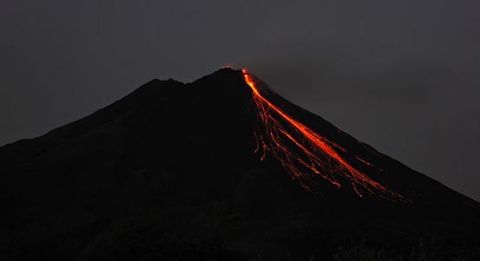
169 173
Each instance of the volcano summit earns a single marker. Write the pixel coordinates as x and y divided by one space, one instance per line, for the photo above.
222 168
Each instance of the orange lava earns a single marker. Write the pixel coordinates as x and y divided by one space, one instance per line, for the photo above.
304 153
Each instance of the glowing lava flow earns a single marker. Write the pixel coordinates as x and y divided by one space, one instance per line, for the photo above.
303 152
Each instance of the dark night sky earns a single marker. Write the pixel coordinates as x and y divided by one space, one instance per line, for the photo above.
401 75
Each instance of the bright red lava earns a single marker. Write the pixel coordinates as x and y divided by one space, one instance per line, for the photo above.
313 155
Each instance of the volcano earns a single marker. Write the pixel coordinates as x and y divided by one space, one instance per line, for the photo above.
222 168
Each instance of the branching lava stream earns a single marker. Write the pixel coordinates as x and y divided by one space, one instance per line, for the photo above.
304 153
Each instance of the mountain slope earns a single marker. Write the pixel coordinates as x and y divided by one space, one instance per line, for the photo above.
169 172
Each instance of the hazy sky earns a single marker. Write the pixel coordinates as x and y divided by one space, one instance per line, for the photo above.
401 75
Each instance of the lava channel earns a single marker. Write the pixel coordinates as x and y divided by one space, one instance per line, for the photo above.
304 153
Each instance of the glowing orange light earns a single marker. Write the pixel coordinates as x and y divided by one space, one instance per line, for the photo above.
313 155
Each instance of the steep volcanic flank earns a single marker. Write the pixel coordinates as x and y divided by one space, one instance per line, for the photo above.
302 151
220 168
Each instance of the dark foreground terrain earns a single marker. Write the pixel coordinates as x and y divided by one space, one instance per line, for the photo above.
169 173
